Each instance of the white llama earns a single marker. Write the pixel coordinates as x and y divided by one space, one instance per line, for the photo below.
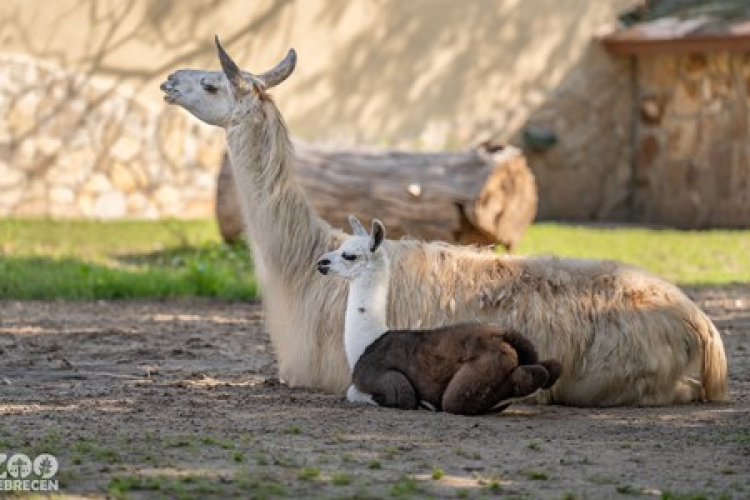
466 369
623 336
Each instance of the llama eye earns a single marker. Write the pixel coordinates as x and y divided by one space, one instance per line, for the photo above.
348 256
210 88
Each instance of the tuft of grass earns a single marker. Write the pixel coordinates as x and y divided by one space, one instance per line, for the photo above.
535 475
374 465
308 474
437 473
404 487
341 479
293 429
119 486
493 487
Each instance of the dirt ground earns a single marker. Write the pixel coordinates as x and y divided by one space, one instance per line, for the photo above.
179 399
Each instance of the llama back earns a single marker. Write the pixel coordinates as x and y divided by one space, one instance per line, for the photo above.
622 335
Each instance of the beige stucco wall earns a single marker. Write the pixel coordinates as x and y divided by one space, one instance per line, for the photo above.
427 74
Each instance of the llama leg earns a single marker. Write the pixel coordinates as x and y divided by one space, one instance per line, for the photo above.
354 395
478 386
525 350
390 388
487 384
527 379
554 370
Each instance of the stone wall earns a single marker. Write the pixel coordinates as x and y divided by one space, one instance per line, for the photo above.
72 146
692 164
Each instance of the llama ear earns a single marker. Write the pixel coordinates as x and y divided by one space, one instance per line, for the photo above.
357 228
377 235
232 71
281 71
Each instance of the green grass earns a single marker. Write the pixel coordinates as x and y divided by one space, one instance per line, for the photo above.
715 257
83 260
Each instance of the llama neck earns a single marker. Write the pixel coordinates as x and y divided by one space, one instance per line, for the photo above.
366 310
284 231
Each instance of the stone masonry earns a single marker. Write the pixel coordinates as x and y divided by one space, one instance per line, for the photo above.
692 161
71 146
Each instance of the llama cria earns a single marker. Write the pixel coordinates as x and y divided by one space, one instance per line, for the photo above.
623 336
466 369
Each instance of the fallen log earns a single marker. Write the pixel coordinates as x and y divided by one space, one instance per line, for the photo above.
485 195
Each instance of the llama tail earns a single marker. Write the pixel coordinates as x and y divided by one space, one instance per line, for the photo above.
714 374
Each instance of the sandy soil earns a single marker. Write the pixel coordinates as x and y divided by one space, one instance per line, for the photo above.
178 399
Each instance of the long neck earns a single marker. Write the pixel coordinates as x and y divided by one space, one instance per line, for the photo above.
284 231
366 310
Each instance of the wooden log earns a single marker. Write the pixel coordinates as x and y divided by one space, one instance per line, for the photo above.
485 195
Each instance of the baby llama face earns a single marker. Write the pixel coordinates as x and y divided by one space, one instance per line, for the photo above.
360 254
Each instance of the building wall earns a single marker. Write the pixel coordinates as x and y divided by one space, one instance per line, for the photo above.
692 167
425 74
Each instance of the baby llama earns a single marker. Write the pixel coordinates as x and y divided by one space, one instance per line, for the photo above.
466 369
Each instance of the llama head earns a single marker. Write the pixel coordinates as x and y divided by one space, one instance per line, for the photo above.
215 97
360 253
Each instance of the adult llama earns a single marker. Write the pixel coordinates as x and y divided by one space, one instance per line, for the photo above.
622 335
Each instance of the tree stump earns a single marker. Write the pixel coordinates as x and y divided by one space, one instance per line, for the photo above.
485 195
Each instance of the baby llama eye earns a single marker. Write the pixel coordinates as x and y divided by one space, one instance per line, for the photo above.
348 256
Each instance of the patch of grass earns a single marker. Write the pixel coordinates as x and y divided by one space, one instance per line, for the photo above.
96 451
714 257
534 445
341 479
739 437
189 486
404 487
627 489
119 486
536 475
493 487
308 474
374 465
84 260
238 456
293 429
437 473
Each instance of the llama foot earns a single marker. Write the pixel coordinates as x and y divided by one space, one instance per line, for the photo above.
527 379
354 395
554 370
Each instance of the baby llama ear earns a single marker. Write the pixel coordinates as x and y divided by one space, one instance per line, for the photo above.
377 235
357 228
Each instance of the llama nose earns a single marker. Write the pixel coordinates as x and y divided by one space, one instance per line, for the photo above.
323 266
